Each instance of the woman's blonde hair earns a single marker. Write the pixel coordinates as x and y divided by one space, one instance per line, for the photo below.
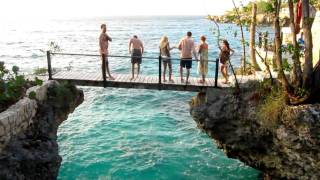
164 41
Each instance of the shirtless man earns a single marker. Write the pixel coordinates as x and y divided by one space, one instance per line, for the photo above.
187 48
104 44
136 50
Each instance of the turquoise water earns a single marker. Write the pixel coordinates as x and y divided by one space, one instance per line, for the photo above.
126 133
140 134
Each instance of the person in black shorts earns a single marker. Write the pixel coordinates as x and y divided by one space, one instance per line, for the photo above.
187 48
136 50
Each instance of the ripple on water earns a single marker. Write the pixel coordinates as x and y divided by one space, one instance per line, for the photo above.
135 134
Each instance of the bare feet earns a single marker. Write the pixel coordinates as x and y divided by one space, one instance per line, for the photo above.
187 82
164 80
182 80
112 78
131 78
201 81
171 80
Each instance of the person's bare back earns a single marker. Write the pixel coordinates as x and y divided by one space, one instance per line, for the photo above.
135 43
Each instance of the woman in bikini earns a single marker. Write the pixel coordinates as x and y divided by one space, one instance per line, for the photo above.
225 53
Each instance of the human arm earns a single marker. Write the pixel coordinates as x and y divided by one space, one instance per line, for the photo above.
180 45
109 38
130 44
194 51
231 52
100 42
142 48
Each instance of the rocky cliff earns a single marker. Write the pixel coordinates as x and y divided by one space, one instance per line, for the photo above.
288 148
31 152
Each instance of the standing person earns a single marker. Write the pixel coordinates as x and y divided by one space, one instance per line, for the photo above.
187 48
203 56
104 45
166 57
225 53
136 50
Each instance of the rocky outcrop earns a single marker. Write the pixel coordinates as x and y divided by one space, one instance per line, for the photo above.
31 152
288 148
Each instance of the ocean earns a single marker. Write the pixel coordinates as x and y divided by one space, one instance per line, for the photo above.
127 133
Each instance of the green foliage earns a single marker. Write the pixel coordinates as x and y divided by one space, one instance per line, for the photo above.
12 86
61 95
286 65
32 95
271 105
264 7
40 71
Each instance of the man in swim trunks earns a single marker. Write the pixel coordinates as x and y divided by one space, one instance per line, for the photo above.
187 48
136 50
104 45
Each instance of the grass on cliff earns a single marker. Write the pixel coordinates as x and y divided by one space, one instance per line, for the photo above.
271 104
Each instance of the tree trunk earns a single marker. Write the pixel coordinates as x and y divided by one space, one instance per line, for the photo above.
308 67
253 38
278 43
243 63
296 72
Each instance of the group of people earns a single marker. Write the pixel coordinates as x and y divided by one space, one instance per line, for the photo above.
187 49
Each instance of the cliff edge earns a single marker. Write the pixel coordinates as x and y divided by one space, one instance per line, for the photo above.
287 148
29 149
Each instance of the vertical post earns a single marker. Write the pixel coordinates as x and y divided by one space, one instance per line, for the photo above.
216 73
49 64
160 69
103 67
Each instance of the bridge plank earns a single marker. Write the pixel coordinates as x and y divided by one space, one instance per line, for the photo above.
123 81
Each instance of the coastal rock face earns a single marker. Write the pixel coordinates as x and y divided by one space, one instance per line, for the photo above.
288 148
32 152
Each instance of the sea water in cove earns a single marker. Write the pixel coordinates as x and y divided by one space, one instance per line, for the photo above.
127 133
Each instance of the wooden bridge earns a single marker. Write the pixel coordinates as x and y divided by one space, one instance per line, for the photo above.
123 80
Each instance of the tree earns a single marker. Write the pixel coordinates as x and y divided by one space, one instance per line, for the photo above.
252 38
296 71
243 63
278 47
308 66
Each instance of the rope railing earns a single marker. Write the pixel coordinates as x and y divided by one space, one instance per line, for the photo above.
159 58
119 56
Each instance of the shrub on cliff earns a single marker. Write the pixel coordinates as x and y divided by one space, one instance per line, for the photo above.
12 86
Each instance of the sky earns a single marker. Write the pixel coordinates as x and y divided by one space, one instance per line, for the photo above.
20 9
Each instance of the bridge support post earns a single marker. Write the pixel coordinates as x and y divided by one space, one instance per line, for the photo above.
49 64
103 68
160 69
216 73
